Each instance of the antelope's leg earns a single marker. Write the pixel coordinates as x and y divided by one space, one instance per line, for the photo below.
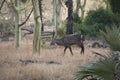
65 49
70 50
81 45
82 49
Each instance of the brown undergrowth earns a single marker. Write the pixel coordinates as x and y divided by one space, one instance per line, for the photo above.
21 64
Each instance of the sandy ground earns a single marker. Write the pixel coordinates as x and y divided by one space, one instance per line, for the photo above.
21 64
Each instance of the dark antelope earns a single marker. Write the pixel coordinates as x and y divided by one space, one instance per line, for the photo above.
68 40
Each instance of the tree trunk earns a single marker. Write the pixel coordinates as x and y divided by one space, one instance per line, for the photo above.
58 10
17 30
56 14
16 9
77 6
41 16
37 28
69 4
82 7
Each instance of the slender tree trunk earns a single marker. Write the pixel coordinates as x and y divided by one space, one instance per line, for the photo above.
41 16
54 12
58 19
77 6
82 7
37 27
69 4
17 30
58 11
15 6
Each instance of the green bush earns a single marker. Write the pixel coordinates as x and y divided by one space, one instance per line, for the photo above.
85 29
80 28
6 27
112 37
48 23
43 43
99 16
76 18
60 32
105 67
99 19
115 7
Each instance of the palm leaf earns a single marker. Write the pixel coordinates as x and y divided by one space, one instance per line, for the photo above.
104 70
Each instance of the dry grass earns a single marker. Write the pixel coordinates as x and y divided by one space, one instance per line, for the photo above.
60 68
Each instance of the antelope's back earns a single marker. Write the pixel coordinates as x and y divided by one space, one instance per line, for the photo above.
73 38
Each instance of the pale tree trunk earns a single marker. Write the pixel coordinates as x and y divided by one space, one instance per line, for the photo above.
56 14
58 11
37 27
41 16
107 4
17 30
82 7
15 6
77 6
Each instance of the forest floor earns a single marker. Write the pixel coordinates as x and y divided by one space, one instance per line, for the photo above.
50 64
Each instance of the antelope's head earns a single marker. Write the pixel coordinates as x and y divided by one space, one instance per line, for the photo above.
82 39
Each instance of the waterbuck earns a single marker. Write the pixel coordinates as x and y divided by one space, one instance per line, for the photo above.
68 40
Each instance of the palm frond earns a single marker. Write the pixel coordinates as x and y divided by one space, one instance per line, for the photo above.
107 68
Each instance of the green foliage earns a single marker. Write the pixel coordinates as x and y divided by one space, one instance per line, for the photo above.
112 37
48 23
100 16
97 20
106 68
115 6
85 29
116 19
6 27
43 43
61 31
80 28
76 18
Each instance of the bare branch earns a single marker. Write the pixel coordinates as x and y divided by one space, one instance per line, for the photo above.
2 4
26 18
99 54
84 3
29 31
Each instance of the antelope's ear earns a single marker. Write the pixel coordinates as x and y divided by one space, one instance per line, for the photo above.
82 37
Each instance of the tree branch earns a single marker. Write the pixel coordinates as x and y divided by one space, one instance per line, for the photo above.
29 31
84 3
2 4
26 18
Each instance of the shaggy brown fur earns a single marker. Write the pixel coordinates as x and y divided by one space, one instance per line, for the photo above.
68 40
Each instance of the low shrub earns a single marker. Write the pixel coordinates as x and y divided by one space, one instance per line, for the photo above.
112 37
97 20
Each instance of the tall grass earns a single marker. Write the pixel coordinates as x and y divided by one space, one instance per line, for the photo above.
112 37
